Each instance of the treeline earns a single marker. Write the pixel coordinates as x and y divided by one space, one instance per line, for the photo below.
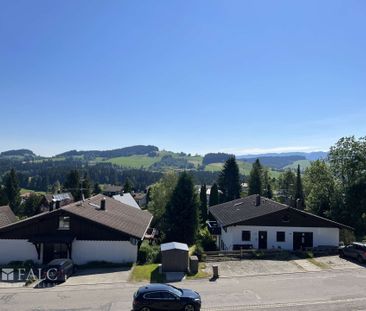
275 161
43 175
121 152
215 158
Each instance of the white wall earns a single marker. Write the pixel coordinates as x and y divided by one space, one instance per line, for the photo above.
111 251
17 250
321 236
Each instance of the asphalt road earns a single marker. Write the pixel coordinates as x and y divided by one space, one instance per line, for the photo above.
325 290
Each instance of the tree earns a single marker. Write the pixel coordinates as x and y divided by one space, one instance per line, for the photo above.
12 190
159 196
73 185
127 187
255 179
267 188
348 160
286 184
214 195
97 189
3 197
86 186
203 203
320 189
348 163
229 180
299 192
56 187
31 205
181 215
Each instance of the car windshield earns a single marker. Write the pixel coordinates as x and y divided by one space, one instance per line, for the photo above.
176 291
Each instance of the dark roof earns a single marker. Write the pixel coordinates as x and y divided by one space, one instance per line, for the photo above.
7 216
117 216
244 210
112 188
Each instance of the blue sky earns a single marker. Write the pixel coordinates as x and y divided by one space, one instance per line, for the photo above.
194 76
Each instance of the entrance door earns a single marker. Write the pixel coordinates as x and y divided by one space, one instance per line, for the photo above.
302 240
47 253
262 239
53 251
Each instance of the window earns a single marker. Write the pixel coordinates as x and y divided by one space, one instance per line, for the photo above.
167 296
64 223
245 235
155 295
281 236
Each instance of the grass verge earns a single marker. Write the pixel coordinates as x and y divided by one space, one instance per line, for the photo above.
201 274
149 273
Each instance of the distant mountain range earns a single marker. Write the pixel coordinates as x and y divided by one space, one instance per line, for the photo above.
312 156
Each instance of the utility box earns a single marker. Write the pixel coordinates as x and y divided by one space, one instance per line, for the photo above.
193 264
174 257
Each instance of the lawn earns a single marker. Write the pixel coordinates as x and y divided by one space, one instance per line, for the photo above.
24 191
244 168
136 161
303 165
201 274
147 273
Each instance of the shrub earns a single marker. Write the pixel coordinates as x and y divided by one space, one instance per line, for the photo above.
148 253
205 240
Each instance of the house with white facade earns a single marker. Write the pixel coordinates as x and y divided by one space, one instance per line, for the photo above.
261 223
96 229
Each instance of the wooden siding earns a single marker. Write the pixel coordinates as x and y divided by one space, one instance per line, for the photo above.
47 225
295 219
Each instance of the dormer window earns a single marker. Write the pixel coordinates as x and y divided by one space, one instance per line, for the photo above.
64 223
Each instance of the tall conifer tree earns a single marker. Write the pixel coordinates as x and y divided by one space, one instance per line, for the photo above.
255 179
229 180
181 215
214 195
203 203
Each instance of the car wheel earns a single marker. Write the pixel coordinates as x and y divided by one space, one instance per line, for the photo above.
145 309
360 259
341 254
189 308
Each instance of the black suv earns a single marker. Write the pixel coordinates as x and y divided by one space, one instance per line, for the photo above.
161 297
58 270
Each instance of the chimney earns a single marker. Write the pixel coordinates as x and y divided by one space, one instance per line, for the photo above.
257 200
103 204
58 204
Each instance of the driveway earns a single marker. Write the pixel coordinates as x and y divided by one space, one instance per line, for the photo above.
99 276
251 267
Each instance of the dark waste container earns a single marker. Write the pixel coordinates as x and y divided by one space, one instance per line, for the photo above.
193 264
